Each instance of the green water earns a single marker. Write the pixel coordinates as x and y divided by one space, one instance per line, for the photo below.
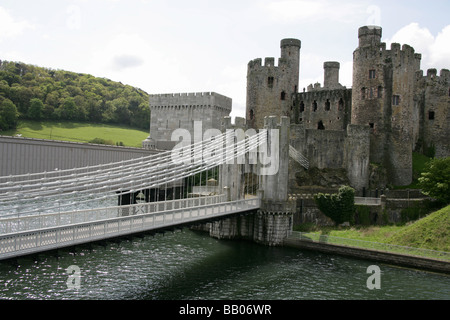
193 266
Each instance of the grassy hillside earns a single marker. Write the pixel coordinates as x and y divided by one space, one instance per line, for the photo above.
41 94
431 232
79 132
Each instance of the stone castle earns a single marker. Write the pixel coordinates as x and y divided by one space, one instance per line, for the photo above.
392 109
363 132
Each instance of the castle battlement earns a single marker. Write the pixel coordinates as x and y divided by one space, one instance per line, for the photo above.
269 62
432 74
185 94
190 100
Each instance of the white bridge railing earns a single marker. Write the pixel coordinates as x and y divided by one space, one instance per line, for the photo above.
24 223
127 221
367 201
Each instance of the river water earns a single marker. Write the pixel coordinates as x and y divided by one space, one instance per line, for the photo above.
189 265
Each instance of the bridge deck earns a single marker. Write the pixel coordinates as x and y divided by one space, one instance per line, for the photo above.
31 241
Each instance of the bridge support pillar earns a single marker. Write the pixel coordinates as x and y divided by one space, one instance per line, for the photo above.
274 220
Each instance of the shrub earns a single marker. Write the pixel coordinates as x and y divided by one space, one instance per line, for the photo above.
338 207
435 180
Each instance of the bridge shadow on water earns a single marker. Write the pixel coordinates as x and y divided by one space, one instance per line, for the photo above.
220 264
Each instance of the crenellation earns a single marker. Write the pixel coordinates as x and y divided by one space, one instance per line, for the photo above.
392 108
431 73
395 47
445 74
269 62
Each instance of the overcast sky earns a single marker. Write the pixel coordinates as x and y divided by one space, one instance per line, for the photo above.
199 45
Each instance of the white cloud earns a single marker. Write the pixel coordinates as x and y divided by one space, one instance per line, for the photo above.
138 62
314 10
11 27
435 50
440 49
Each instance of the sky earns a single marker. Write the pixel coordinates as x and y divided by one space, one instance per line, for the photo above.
171 46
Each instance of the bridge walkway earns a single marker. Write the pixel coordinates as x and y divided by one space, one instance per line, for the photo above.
31 235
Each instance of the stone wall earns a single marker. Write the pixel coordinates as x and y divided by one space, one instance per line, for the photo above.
335 149
433 100
324 109
383 98
181 110
270 87
261 227
373 255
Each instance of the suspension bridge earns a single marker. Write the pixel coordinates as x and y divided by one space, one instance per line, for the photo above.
189 185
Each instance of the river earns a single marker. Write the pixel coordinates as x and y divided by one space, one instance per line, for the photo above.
188 265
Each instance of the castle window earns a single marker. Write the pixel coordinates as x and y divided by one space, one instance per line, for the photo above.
252 114
371 125
283 96
341 105
431 115
300 119
380 92
395 100
371 93
320 125
372 74
270 82
314 106
302 107
327 105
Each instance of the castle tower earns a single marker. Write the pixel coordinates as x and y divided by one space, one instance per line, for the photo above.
383 99
331 74
269 87
173 111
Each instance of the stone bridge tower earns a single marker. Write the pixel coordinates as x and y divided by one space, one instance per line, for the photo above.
270 87
273 222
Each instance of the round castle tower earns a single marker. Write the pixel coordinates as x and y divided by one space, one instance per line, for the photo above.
383 98
269 87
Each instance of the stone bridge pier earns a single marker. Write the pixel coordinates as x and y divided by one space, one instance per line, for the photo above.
273 222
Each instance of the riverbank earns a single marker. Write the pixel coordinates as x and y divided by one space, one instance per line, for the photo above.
424 244
321 244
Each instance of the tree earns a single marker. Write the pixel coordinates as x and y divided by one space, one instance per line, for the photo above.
68 110
338 207
8 115
435 180
35 111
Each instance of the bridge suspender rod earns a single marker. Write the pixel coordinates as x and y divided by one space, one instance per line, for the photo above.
192 173
153 163
88 171
97 183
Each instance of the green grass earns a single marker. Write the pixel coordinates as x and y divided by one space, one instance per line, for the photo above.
370 233
79 132
431 232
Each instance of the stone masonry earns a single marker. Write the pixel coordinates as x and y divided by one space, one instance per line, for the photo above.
391 110
180 111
